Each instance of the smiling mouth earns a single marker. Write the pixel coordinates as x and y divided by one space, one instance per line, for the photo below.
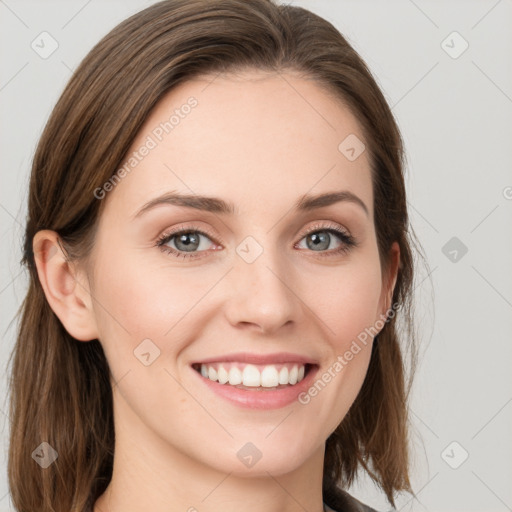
252 377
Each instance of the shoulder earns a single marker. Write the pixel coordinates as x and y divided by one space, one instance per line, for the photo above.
338 500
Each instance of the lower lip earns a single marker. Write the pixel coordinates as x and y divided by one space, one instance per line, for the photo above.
260 399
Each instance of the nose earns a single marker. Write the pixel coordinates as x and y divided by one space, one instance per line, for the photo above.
261 294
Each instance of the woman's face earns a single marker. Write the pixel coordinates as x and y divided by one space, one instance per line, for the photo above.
251 273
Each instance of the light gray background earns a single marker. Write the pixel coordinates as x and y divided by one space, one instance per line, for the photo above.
455 116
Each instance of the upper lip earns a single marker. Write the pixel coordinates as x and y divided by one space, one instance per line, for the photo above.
246 357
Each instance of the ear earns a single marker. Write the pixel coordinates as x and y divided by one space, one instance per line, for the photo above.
67 291
389 280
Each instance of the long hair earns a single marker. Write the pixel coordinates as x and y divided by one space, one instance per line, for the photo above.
60 391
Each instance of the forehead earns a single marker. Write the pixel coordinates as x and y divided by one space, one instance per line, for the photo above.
255 138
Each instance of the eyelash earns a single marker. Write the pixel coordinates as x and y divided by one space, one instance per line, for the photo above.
347 241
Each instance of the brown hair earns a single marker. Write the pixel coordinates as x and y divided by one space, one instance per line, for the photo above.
60 388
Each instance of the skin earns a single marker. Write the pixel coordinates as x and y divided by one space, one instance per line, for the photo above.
258 142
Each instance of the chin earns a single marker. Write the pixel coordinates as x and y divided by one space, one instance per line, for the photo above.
254 459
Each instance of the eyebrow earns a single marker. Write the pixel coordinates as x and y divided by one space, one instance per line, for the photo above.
217 205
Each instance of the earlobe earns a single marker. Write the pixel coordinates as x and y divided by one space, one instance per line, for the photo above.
66 291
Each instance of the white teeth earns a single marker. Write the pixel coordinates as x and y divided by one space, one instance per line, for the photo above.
294 373
222 375
250 376
212 373
269 377
235 376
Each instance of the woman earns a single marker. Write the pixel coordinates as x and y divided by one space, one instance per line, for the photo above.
219 250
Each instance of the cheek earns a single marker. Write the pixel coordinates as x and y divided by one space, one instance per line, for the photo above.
346 302
139 299
143 325
345 299
132 304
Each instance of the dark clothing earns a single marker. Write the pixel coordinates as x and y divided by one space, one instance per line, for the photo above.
341 501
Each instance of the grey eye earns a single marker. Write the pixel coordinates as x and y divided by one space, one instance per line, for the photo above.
319 240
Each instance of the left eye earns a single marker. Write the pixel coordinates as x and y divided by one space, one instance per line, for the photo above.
320 240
